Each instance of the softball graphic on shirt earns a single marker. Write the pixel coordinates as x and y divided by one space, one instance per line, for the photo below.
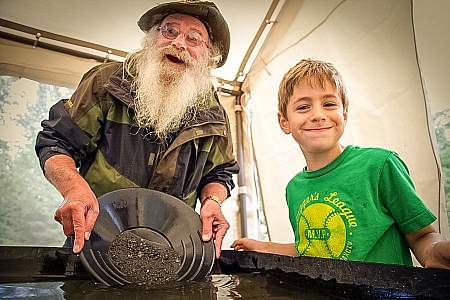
325 227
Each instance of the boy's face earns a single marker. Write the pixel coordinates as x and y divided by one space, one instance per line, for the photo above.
315 117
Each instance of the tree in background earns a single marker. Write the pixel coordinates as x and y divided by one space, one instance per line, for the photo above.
442 129
28 201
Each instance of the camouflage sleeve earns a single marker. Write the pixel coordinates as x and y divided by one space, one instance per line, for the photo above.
72 126
60 135
222 158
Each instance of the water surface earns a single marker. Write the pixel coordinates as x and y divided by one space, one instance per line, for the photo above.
236 286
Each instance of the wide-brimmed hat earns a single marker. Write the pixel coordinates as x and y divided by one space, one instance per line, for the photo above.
205 11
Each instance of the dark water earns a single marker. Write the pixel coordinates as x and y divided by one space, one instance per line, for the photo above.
239 286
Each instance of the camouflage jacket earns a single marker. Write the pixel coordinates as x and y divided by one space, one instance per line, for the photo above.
96 128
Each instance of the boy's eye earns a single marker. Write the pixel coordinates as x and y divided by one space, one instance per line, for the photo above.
302 107
329 104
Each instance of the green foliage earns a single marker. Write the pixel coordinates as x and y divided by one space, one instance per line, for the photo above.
5 85
441 122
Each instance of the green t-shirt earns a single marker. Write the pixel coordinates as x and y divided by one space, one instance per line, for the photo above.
356 208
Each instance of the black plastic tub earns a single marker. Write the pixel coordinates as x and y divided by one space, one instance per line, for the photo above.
57 273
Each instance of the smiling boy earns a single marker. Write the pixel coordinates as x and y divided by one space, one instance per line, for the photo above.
348 203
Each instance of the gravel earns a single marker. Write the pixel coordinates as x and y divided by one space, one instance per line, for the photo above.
143 262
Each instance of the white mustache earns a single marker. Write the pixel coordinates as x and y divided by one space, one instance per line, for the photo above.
182 55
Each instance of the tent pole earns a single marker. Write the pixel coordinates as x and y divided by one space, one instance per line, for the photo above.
242 191
60 38
242 194
264 24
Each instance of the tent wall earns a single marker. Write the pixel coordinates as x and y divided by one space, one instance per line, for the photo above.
231 206
433 46
42 65
372 44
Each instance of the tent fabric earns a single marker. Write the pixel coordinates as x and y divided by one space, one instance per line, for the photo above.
247 188
42 65
372 44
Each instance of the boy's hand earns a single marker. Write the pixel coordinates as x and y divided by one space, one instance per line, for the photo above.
264 247
429 248
249 245
439 256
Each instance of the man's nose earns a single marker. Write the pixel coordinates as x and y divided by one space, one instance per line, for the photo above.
179 42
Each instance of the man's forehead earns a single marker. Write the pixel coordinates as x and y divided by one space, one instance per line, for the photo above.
189 20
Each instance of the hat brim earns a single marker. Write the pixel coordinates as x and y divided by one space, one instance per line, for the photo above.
205 11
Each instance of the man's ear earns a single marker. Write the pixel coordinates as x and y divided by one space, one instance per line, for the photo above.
284 123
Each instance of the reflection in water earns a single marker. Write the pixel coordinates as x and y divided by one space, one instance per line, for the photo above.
237 286
34 290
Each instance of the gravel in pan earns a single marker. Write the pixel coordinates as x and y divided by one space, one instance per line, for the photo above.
143 262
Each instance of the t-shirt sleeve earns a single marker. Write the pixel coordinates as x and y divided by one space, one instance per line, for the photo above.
400 198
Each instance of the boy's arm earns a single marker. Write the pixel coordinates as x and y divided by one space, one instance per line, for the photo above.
429 248
264 247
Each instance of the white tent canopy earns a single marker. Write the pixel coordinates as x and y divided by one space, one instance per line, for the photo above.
114 24
392 54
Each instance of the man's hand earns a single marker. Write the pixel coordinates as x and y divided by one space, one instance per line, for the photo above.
78 212
214 224
77 215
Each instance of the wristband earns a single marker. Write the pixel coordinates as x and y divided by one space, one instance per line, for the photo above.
213 198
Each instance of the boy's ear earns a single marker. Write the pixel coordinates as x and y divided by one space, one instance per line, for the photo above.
284 123
345 114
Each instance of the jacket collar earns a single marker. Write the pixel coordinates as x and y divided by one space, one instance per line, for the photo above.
120 88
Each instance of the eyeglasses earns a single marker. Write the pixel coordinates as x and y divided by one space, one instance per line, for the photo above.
172 31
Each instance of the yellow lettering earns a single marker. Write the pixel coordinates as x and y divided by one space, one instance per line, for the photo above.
340 205
346 211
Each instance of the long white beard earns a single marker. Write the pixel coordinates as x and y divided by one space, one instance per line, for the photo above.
166 96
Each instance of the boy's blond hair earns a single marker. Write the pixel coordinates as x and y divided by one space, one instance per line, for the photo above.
316 72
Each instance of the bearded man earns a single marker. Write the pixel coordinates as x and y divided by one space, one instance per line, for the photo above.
153 121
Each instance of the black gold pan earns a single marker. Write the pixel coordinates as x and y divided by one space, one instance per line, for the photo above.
156 217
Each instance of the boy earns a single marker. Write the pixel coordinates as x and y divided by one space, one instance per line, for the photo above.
349 203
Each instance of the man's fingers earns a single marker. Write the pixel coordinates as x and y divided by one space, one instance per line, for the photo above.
207 229
66 222
218 243
214 225
91 216
78 226
220 234
57 217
